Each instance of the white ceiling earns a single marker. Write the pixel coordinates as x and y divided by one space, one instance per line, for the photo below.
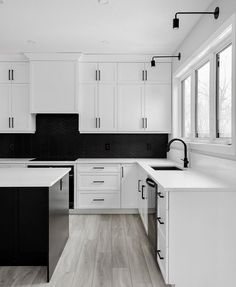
123 26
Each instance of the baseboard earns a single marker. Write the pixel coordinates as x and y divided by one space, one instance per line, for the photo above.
104 211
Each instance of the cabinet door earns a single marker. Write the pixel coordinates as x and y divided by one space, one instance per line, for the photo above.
130 108
88 110
107 107
20 107
158 108
88 72
130 73
129 196
160 74
20 72
107 72
5 73
53 87
5 98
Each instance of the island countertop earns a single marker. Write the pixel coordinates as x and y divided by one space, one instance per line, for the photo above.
27 177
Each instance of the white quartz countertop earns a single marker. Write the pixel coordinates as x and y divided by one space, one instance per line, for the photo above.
187 179
117 160
31 177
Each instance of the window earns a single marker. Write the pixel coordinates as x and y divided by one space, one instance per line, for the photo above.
202 112
224 93
186 94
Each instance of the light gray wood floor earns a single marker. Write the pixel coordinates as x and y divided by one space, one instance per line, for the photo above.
103 250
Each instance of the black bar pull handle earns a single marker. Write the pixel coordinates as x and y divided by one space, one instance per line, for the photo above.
9 122
139 181
159 220
12 122
150 182
9 75
99 75
146 75
98 199
12 75
142 191
98 181
61 183
98 167
160 195
142 75
159 255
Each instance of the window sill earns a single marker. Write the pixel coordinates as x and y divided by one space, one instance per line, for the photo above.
213 149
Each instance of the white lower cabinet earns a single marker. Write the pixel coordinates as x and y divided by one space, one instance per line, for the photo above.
107 186
129 196
98 186
142 198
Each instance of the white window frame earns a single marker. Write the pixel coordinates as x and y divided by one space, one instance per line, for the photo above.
224 36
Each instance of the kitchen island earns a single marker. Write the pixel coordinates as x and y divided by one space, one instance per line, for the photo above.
34 216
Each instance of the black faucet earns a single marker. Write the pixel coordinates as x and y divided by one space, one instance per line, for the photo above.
186 162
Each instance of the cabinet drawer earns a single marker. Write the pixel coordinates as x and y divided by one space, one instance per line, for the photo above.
108 182
99 201
98 168
162 256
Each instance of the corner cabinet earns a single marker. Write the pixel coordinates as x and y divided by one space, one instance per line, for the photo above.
124 98
15 114
53 83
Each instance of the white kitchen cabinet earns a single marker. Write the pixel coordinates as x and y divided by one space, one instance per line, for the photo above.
97 97
14 72
53 86
142 197
131 73
97 108
97 72
88 108
98 186
158 108
15 115
129 196
130 108
128 97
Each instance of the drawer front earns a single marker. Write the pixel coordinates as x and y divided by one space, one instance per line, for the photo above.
98 168
99 201
99 182
162 210
162 256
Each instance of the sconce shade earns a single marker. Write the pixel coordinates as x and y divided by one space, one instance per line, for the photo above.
176 23
153 63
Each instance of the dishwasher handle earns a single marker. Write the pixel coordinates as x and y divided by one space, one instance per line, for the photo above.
150 182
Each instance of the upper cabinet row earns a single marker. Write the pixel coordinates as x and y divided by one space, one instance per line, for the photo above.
109 97
15 116
124 98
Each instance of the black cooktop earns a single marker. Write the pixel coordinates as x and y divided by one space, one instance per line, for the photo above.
55 158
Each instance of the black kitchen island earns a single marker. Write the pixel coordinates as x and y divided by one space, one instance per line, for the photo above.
34 216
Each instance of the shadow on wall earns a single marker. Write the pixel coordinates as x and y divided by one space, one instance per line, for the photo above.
57 135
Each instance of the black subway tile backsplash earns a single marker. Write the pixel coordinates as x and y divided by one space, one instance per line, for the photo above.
57 135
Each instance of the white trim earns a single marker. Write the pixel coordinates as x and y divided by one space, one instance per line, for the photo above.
53 56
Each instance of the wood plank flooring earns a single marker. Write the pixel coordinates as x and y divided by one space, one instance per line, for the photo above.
102 251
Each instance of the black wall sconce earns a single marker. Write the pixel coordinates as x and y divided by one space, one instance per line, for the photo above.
153 62
176 19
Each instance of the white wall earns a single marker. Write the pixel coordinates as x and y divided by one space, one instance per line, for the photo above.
201 32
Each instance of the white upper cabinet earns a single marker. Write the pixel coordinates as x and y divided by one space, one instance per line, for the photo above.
5 107
106 108
158 108
88 121
127 97
160 74
88 72
97 72
130 108
53 87
15 72
131 73
21 119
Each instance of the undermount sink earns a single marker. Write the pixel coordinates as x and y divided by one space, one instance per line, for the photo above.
165 168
